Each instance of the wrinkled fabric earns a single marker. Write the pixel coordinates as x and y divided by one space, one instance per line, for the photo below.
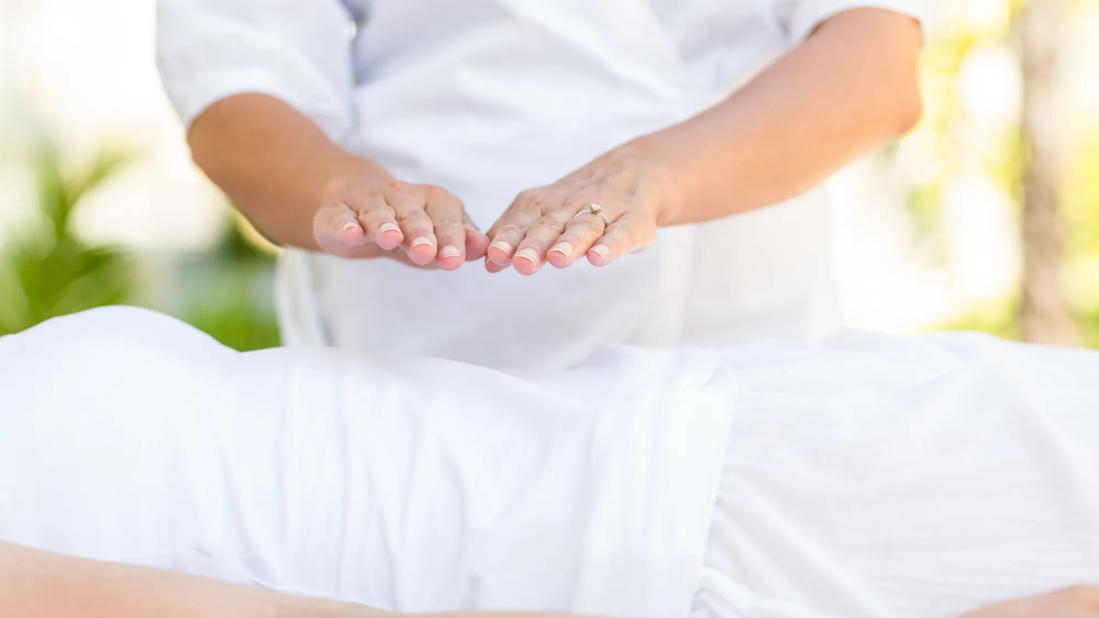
427 486
877 476
488 98
870 476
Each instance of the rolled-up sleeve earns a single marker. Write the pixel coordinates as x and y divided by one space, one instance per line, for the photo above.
800 17
296 50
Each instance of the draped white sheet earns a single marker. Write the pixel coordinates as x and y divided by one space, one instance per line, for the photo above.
870 476
888 477
431 485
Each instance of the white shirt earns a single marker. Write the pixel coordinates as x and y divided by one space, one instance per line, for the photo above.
489 98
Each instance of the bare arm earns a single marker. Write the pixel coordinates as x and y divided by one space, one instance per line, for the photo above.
301 189
1072 602
275 163
850 86
38 584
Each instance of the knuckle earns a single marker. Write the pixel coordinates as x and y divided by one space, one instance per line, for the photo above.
509 228
529 207
547 222
531 200
364 194
436 193
370 193
373 213
415 215
450 227
398 186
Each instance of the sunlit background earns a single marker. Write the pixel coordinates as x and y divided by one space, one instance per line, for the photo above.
986 217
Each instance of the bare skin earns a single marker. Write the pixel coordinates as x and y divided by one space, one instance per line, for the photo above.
850 86
1073 602
38 584
300 189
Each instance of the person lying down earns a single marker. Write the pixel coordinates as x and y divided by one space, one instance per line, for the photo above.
868 476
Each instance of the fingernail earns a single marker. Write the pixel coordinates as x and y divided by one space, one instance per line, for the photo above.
422 241
390 227
600 250
529 255
503 245
350 225
449 251
564 248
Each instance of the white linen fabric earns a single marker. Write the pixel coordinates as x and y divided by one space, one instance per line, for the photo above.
877 476
870 477
128 436
488 98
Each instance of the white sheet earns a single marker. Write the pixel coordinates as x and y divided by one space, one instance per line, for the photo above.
878 476
871 476
434 485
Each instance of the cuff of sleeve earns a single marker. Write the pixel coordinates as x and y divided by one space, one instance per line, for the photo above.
812 13
192 97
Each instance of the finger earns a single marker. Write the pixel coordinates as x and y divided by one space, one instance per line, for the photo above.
378 219
446 213
530 255
399 255
336 229
493 267
630 232
409 202
508 232
476 240
580 234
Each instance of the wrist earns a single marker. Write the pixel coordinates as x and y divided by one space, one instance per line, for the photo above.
659 173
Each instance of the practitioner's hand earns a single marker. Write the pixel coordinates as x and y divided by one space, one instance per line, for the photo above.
419 225
1075 602
542 225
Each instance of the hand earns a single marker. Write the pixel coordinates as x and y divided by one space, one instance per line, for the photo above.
1075 602
541 225
419 225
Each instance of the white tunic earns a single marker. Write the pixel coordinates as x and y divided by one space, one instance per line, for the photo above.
871 477
489 97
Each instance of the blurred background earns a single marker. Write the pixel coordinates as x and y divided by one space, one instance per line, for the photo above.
986 217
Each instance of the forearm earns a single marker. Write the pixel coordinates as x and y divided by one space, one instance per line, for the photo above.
38 584
276 165
847 88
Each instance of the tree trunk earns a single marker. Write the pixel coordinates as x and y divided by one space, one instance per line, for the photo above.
1044 316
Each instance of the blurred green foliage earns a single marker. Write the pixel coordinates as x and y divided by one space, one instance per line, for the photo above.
47 270
228 292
